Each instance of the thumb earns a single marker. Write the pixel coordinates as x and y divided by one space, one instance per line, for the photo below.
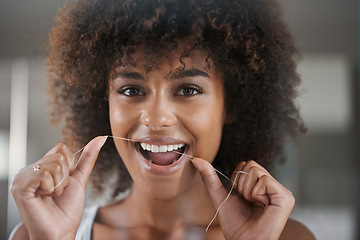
87 159
212 182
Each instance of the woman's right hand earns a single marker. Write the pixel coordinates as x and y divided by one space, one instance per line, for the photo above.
49 213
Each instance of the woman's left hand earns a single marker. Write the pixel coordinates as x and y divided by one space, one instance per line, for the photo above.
261 211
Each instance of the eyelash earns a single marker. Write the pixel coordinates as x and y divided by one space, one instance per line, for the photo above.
193 88
126 91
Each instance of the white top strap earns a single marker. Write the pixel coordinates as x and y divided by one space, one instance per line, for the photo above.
87 222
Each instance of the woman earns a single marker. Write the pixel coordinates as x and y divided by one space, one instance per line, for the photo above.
181 87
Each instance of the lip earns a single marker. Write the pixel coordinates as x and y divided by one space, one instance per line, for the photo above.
158 169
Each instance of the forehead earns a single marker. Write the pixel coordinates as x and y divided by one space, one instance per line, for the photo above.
176 59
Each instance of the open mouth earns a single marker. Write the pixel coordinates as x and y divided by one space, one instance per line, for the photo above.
162 155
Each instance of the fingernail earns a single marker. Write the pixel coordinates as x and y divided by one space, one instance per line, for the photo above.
103 141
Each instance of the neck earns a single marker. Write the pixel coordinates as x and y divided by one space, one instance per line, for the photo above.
194 207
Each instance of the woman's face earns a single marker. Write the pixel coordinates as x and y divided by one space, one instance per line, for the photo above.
170 110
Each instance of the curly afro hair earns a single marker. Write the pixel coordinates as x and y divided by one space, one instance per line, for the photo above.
247 40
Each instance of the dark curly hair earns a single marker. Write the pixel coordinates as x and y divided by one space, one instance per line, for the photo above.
246 40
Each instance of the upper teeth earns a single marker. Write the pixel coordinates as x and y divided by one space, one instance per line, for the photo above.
161 148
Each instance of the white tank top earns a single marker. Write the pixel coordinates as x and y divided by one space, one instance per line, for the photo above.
87 222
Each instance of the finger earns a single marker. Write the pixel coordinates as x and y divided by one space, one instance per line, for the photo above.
58 169
212 182
269 191
239 169
87 159
246 167
249 182
64 149
252 163
45 183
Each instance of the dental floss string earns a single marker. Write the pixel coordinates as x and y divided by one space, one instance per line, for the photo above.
78 151
223 202
107 136
227 197
186 155
67 171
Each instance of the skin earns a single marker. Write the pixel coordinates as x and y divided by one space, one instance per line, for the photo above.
184 105
53 214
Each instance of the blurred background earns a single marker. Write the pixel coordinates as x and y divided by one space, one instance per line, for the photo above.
323 167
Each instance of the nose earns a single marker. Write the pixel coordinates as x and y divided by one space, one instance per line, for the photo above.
157 113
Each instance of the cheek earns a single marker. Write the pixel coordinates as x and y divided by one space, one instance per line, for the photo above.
206 125
121 118
116 119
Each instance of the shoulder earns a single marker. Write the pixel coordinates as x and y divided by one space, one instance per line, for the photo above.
19 232
294 230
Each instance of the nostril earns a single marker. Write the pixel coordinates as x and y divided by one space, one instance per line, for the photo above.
155 122
158 112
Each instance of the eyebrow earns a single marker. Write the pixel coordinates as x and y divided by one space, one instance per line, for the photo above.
184 73
193 72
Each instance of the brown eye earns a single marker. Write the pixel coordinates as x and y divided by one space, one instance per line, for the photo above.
131 91
189 91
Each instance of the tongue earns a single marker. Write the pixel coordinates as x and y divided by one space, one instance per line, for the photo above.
163 158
